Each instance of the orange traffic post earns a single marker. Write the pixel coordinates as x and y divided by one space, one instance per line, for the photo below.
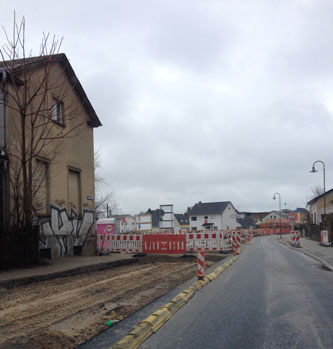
201 264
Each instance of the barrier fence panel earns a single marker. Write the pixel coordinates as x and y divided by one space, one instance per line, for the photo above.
164 244
274 231
161 243
212 241
119 243
297 238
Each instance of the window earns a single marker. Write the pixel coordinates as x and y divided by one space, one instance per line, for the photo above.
41 187
74 190
206 217
58 111
193 218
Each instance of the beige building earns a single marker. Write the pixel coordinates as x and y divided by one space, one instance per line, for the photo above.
316 207
181 223
58 143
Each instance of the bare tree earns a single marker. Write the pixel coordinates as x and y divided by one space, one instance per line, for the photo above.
316 191
106 203
35 95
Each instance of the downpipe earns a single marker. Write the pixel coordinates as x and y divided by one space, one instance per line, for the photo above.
3 155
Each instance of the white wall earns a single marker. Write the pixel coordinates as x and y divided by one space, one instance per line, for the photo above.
128 225
229 218
215 219
222 222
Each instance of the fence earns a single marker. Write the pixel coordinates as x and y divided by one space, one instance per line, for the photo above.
160 243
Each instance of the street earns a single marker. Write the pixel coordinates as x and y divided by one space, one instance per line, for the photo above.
272 297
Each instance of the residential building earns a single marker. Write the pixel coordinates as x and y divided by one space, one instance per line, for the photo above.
181 223
257 216
156 216
274 216
245 221
316 206
301 215
124 223
63 160
213 216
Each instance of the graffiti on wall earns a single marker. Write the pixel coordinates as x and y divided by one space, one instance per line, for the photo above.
62 232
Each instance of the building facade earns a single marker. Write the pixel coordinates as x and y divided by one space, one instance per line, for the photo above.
318 205
58 143
213 216
124 223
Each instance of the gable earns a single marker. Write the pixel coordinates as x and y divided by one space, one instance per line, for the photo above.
35 63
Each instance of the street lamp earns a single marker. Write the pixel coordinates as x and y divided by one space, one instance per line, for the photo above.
313 171
280 209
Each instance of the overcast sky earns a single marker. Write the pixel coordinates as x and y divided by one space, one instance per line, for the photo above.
200 100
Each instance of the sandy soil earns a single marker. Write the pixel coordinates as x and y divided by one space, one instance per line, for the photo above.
64 312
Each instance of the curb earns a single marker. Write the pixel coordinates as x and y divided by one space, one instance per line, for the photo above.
156 320
11 283
318 259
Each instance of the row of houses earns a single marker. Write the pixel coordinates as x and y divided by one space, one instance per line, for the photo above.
206 217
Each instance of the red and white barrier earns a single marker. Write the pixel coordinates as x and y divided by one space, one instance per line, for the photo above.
204 241
297 238
234 243
130 243
274 231
292 237
238 238
200 263
164 244
324 238
161 243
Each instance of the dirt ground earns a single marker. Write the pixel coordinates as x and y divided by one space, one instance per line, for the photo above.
64 312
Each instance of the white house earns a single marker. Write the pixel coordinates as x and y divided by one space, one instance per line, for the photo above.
213 216
124 223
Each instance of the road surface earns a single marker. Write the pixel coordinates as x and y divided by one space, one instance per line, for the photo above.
272 297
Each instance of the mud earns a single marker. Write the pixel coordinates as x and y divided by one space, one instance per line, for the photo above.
64 312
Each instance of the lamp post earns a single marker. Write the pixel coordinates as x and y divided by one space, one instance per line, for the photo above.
279 208
313 171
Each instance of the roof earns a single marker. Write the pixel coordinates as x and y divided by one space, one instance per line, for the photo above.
246 221
318 197
208 208
301 210
277 213
181 219
121 216
37 62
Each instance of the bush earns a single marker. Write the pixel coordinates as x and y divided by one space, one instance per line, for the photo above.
19 247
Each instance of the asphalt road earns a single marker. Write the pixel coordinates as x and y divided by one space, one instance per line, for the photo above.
272 297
